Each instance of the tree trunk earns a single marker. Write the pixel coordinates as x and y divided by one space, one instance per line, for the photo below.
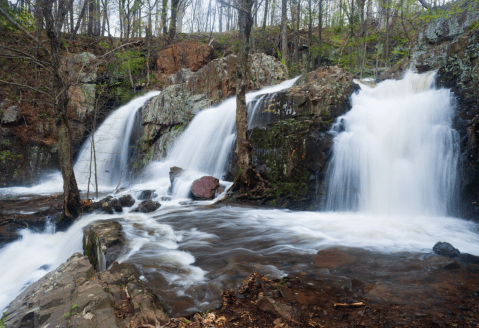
247 178
284 32
174 11
181 14
163 16
265 14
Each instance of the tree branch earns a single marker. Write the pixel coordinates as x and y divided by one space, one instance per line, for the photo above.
28 87
21 28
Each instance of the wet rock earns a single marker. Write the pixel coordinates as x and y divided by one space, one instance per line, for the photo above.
103 242
147 206
147 194
205 188
74 296
175 172
11 115
126 201
446 249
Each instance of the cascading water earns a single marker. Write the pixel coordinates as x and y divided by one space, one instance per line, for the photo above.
205 146
191 253
111 144
395 152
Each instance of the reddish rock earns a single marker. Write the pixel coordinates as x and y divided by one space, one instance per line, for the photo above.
187 54
204 188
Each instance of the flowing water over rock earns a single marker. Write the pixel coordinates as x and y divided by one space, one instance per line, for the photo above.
395 152
189 253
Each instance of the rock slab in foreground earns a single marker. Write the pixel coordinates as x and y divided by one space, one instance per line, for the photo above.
205 188
74 296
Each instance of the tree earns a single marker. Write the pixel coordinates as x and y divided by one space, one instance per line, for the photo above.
54 20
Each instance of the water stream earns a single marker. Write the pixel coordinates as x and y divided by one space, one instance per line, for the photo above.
391 189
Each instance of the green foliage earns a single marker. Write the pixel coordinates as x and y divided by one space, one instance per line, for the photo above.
21 16
130 60
2 320
6 155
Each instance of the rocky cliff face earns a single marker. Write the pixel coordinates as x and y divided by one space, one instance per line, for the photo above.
28 137
292 147
450 45
187 92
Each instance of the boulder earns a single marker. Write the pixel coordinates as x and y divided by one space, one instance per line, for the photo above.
205 188
126 201
147 194
447 250
74 296
103 242
147 206
11 115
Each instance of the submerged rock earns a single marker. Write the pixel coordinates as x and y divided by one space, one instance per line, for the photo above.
74 296
147 206
175 172
147 194
205 188
102 243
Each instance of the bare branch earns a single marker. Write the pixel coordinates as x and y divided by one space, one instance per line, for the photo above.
27 86
233 6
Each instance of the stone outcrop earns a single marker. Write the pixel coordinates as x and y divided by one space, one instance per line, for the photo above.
450 45
291 146
187 93
11 115
187 54
74 295
102 243
82 75
205 188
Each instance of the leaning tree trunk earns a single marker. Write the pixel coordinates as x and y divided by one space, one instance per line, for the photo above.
71 194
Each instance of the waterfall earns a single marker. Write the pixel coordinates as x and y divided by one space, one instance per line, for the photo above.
112 141
395 152
206 145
